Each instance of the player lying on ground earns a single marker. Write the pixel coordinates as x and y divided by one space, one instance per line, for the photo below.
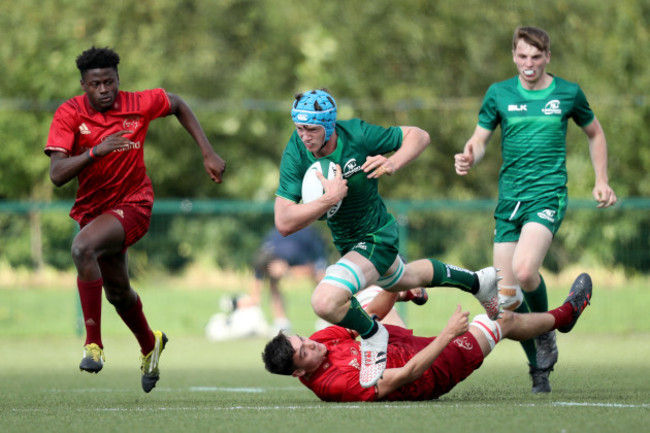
418 368
364 232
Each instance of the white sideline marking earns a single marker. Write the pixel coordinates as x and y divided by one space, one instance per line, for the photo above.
575 403
245 390
429 405
191 389
330 406
225 389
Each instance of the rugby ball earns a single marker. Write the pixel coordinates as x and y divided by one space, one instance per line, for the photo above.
312 188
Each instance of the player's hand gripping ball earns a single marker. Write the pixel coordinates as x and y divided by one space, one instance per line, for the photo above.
312 188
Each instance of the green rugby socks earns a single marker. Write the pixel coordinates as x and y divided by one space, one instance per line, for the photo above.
356 318
452 276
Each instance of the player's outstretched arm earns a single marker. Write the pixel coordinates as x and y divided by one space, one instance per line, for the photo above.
602 192
473 151
395 377
214 165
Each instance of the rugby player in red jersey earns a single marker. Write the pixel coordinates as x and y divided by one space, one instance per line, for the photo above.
98 137
418 368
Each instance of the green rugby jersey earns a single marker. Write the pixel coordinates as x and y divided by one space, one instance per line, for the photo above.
362 211
533 134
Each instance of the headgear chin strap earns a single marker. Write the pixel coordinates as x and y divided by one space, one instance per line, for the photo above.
315 107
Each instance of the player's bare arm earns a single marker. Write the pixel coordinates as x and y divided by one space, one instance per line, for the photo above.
291 217
414 141
473 151
602 192
214 165
64 168
395 377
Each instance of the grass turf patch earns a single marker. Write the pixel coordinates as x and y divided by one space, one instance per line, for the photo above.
599 384
223 387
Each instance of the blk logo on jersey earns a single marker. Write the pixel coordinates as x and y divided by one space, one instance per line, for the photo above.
514 107
552 107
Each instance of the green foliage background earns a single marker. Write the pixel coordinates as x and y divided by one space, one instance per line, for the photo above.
238 64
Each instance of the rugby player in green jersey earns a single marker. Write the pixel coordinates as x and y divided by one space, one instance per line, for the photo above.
533 109
364 232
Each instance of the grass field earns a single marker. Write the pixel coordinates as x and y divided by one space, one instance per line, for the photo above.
601 383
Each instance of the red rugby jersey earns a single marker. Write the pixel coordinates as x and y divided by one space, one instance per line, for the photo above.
337 378
119 177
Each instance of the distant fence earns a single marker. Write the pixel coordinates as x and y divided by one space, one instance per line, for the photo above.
226 233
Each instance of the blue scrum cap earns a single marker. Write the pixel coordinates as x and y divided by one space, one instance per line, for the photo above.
315 107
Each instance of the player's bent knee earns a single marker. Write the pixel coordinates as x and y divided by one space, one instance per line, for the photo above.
332 306
120 298
489 328
320 303
321 308
81 251
526 276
